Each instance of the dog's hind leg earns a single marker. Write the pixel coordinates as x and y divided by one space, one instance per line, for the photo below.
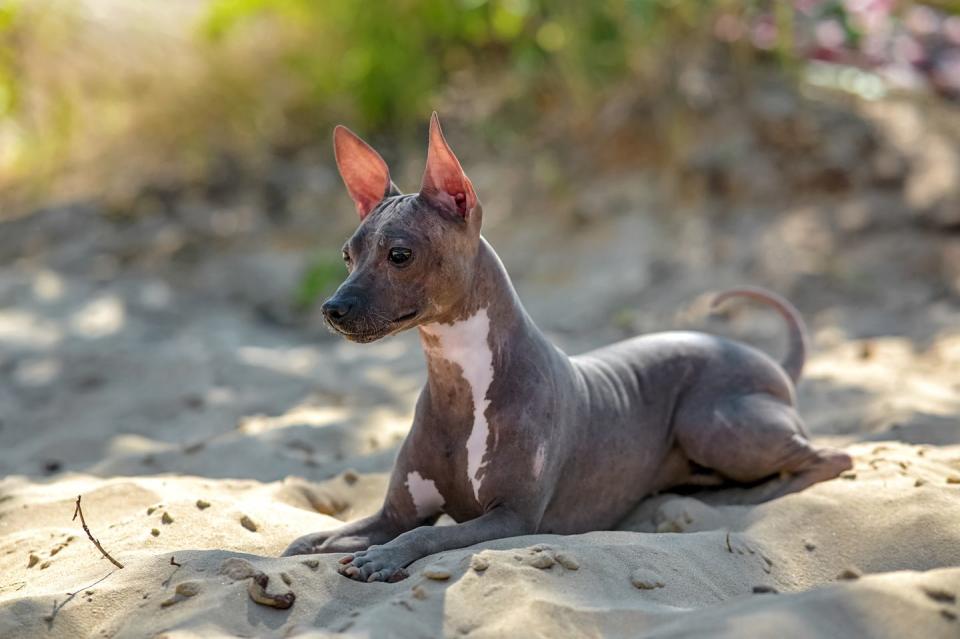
753 437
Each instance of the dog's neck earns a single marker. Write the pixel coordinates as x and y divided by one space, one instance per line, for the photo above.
488 328
488 325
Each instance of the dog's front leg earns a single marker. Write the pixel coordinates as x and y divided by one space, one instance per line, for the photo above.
386 562
378 528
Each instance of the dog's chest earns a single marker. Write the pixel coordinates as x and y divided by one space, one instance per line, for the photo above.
461 356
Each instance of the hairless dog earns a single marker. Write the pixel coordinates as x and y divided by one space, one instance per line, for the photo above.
510 435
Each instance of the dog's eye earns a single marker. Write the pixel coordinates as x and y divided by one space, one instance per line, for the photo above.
345 256
399 256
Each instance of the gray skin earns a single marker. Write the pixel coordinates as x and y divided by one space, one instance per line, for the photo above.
615 424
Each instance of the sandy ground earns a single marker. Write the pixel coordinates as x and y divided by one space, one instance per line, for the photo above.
153 366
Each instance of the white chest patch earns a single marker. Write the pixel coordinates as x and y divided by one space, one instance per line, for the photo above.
538 460
427 500
465 344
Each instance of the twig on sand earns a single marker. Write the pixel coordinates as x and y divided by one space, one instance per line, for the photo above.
70 595
79 511
177 565
98 581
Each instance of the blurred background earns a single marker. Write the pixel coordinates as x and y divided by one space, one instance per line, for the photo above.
170 209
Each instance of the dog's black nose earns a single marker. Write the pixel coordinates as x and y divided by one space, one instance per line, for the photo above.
337 308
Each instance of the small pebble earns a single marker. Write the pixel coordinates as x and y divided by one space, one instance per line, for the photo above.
764 590
953 479
312 564
44 565
479 563
436 572
646 580
920 482
203 504
155 532
567 561
350 477
848 475
810 546
248 523
941 595
166 518
849 574
188 588
257 590
286 578
237 569
32 561
151 510
542 560
949 615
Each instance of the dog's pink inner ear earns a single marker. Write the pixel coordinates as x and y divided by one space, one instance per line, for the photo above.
444 182
363 170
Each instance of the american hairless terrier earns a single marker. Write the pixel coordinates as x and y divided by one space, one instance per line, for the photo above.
510 435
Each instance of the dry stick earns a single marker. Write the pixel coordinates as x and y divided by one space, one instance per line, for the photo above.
96 543
101 579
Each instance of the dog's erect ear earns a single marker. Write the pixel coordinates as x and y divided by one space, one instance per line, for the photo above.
362 169
444 183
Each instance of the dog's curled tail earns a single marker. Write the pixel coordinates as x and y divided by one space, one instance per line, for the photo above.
797 351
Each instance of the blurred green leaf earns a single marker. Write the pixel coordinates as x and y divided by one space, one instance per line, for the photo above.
320 280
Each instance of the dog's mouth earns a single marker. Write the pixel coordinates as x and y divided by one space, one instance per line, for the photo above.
406 318
372 334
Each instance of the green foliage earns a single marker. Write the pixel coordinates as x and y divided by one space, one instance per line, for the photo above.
8 83
385 61
320 279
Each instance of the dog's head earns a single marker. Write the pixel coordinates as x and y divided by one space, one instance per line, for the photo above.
412 259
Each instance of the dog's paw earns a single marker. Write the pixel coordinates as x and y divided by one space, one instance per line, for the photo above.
327 542
377 563
306 545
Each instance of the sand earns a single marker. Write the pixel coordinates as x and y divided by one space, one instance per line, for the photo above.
779 569
205 431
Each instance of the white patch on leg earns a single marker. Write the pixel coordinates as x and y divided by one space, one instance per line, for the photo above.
427 500
538 460
465 344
